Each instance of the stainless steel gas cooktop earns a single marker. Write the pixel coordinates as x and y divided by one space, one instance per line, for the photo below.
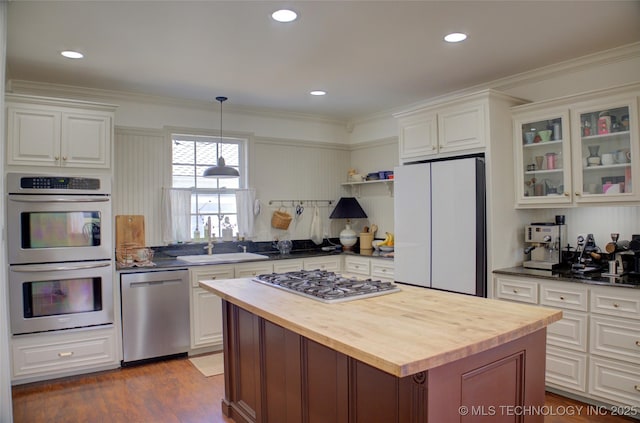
326 286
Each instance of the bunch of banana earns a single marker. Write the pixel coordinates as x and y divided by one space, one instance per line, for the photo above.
388 241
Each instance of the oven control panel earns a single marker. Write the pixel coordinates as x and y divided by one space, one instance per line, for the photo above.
59 182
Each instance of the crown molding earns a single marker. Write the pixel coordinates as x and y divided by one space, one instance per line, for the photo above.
381 142
567 67
97 94
301 143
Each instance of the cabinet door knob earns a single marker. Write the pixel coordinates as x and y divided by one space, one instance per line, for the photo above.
616 305
56 157
64 157
577 194
65 354
566 194
638 343
433 147
515 291
637 388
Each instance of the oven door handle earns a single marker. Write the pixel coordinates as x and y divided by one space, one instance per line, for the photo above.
56 266
48 199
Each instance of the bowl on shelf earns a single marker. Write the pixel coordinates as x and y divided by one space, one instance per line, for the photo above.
545 135
385 248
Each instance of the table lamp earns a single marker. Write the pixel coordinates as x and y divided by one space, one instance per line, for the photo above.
348 208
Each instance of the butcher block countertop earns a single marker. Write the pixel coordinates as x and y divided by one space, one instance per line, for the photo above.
401 333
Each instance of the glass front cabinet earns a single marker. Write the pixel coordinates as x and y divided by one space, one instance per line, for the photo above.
543 153
605 142
568 153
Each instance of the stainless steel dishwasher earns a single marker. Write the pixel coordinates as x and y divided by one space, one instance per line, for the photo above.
155 314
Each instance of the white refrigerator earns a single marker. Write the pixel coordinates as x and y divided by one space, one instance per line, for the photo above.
440 225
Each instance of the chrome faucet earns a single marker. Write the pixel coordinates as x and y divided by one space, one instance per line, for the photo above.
244 248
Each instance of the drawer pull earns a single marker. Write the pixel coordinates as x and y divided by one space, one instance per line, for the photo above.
616 305
515 291
65 354
637 388
638 343
562 298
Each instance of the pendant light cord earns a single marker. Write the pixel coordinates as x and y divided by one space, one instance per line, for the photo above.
221 100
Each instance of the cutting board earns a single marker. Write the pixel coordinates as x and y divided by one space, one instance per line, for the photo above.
130 230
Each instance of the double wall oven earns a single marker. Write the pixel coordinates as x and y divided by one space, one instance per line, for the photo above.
60 252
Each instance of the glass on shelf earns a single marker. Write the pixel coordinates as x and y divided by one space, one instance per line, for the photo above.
541 131
606 151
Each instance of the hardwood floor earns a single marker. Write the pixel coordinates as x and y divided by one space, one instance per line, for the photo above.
167 391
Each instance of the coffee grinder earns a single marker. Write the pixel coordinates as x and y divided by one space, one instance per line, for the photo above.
544 243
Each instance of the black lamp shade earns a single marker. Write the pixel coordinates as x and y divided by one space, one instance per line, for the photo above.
348 208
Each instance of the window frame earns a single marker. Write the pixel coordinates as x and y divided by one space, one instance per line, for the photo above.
220 190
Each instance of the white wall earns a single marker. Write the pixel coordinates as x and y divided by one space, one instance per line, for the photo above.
5 361
376 199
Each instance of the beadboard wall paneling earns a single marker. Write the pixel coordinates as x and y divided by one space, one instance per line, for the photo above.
142 166
283 170
596 220
375 199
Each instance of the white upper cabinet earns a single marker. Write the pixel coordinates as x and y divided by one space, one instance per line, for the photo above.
543 152
58 133
418 135
449 127
576 150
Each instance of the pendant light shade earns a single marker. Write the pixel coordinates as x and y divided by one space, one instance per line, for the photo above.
221 170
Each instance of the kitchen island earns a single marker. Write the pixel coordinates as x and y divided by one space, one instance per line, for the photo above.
417 355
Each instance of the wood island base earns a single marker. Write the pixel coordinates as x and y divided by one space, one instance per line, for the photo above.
273 374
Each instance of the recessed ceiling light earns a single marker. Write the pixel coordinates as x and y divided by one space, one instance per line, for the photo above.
318 92
70 54
455 37
284 15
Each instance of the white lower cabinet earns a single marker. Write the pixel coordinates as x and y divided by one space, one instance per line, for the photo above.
253 269
594 351
383 269
566 369
378 268
206 307
290 265
614 381
57 354
357 265
569 332
328 263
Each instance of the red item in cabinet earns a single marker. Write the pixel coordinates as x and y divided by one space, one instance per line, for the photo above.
604 125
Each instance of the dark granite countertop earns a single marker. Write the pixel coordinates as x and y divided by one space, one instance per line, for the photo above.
165 257
565 275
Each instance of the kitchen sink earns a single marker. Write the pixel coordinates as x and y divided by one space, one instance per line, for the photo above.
222 258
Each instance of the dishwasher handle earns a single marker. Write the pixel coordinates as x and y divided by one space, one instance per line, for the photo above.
145 279
155 283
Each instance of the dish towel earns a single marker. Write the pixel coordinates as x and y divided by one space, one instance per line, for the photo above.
247 210
316 227
176 215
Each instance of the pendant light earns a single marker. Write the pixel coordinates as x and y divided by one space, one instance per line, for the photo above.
221 170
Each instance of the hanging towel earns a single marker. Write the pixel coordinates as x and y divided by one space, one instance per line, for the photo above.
246 209
316 227
176 215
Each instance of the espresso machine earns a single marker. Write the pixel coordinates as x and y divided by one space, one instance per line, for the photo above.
544 243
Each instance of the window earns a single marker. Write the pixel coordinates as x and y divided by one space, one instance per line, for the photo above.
210 197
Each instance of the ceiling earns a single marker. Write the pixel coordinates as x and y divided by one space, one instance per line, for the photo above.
369 56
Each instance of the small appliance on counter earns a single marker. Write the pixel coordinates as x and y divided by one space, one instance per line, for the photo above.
544 241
